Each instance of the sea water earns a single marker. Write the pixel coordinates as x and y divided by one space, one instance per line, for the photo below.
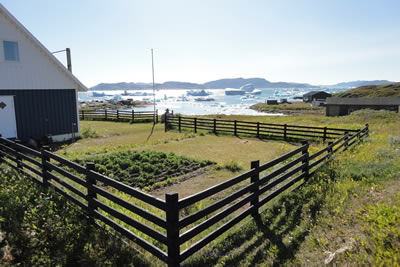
179 102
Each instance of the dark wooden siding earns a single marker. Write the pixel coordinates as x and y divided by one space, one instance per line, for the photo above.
343 110
44 112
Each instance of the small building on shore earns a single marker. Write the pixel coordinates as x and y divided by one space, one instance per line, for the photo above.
38 94
272 102
341 106
316 95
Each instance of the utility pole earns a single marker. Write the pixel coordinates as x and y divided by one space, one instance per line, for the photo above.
154 92
69 64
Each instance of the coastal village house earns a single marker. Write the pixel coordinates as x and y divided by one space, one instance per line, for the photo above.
315 95
38 95
340 106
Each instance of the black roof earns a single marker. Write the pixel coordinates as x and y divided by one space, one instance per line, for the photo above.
315 92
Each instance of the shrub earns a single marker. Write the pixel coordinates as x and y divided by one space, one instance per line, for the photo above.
87 132
394 140
40 228
233 166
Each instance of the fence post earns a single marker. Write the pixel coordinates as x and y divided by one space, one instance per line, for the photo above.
83 114
172 215
1 155
45 159
284 131
180 119
166 121
255 179
105 114
235 127
156 115
133 116
215 126
91 194
330 148
325 129
117 115
17 157
346 140
258 129
306 160
358 134
366 130
195 125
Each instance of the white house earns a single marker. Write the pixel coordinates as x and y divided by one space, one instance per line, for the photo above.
38 94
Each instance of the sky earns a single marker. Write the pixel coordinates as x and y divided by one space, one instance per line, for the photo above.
319 42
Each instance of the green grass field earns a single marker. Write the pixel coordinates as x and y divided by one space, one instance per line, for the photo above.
289 108
347 214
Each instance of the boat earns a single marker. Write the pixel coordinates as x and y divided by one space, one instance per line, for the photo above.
95 94
125 93
201 99
249 97
234 92
247 87
182 98
198 93
117 97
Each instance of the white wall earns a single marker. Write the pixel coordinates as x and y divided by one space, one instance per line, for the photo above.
34 70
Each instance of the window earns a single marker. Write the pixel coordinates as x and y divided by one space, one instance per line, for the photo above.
11 51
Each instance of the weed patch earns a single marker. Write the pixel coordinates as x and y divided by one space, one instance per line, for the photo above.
233 166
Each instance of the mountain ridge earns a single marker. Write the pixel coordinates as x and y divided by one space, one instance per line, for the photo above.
358 83
217 84
228 83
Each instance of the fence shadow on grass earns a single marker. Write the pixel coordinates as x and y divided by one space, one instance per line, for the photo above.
273 239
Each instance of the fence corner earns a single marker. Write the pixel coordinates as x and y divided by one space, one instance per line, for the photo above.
172 216
1 154
255 179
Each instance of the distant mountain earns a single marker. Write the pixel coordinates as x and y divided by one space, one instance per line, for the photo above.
180 85
218 84
358 83
120 86
237 83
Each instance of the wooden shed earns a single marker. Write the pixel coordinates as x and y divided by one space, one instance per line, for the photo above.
38 94
315 95
340 106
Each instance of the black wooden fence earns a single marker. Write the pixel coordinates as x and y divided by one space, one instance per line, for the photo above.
89 189
119 115
257 129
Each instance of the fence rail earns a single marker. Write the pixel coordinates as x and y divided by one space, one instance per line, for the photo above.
165 235
119 115
258 129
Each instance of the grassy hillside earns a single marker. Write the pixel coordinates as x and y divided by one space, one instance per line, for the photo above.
383 90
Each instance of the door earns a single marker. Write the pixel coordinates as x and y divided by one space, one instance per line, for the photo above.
8 125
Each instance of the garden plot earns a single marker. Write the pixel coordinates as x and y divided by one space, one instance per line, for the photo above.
144 169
